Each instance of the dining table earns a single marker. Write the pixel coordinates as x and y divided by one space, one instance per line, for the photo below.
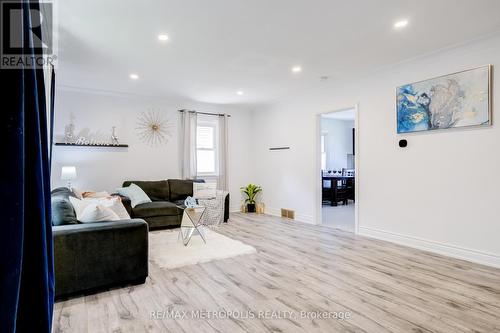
334 181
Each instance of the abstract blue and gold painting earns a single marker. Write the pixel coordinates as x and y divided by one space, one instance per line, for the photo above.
455 100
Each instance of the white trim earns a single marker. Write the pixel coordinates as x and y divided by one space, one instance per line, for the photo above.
323 150
104 92
454 251
317 145
234 209
356 169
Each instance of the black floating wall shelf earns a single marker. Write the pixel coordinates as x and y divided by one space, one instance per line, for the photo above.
90 145
279 148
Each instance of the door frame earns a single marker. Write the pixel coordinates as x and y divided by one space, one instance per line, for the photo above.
318 176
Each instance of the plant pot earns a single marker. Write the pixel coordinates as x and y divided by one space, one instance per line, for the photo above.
251 208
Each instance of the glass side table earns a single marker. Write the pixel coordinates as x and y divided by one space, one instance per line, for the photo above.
192 224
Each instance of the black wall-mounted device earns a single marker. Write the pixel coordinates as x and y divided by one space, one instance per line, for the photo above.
403 143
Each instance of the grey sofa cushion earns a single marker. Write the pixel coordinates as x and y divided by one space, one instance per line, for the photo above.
180 189
156 208
157 190
62 209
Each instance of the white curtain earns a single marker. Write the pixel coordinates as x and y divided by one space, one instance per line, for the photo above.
188 145
222 181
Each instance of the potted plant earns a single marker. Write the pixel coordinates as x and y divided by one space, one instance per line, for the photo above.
251 192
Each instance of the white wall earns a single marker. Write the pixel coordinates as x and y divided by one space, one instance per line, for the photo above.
441 193
338 142
107 168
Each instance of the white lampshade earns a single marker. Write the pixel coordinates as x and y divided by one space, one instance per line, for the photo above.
68 173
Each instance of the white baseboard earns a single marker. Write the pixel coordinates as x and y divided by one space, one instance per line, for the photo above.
479 257
234 209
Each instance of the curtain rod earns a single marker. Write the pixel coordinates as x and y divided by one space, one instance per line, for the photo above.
205 113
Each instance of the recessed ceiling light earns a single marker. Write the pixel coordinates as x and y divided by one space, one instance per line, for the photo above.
296 69
401 24
134 76
239 92
162 37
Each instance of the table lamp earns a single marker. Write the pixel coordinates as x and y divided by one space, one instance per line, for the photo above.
68 173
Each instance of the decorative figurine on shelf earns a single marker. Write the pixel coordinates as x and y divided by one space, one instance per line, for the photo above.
69 131
114 137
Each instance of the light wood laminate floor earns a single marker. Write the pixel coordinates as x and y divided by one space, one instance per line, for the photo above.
299 267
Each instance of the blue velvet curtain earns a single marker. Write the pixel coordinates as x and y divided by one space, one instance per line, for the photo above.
27 271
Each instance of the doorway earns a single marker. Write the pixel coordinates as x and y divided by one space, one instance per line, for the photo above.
337 133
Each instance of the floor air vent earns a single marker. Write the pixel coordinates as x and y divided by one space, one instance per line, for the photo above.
288 213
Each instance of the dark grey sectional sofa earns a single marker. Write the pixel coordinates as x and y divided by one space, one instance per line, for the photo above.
93 256
167 206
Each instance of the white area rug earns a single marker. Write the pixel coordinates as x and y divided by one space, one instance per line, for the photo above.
167 251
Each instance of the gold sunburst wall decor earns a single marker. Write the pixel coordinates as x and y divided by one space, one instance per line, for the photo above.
153 128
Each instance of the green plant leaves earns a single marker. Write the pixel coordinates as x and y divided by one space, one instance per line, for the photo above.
251 192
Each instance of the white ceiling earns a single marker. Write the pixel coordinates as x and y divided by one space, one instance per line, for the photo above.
219 47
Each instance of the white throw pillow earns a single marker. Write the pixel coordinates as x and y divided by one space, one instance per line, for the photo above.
116 205
88 211
98 213
136 195
78 205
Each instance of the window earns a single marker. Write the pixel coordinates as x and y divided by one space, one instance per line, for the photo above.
206 148
323 152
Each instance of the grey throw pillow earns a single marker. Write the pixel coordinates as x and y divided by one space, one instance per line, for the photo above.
62 209
136 194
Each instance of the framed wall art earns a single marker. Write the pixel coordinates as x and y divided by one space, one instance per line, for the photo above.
455 100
